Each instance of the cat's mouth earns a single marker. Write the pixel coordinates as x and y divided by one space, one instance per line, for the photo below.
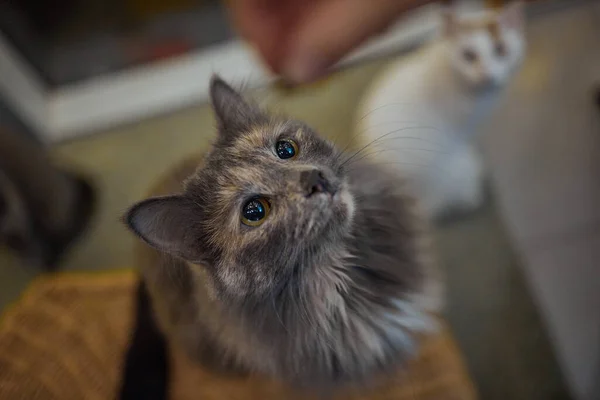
324 198
487 85
316 183
331 209
322 189
326 192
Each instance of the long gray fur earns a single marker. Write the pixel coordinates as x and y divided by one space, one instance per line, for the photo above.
327 291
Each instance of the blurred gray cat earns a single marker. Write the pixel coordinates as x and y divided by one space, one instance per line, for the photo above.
279 258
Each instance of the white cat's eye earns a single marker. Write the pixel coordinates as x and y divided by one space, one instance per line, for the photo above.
469 55
500 49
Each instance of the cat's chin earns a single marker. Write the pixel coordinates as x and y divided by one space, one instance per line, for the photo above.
345 201
489 85
331 217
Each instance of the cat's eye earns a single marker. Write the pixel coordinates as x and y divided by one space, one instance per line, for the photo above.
469 55
286 149
500 49
255 211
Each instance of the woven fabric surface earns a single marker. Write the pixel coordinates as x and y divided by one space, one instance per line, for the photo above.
67 336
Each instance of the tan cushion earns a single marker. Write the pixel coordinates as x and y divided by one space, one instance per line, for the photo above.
66 338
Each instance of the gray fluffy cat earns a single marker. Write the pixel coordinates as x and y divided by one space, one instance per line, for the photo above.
278 258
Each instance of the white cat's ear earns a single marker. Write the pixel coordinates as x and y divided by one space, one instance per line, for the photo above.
234 114
450 23
513 16
168 224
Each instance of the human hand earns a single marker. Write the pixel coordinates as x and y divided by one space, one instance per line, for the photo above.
300 39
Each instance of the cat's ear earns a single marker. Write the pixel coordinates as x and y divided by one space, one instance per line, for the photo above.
513 16
450 23
234 114
169 224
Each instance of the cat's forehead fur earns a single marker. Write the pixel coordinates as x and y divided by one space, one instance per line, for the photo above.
489 22
248 162
484 21
246 165
256 144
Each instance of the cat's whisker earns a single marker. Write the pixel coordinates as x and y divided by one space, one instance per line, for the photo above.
375 153
431 166
276 311
363 131
395 103
422 139
383 136
335 139
399 163
385 123
364 153
379 150
406 149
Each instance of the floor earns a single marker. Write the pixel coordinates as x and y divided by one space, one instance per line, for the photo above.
543 147
490 307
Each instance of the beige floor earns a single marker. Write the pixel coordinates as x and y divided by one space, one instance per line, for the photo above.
543 147
489 306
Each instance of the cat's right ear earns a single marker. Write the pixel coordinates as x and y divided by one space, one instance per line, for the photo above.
169 224
450 23
234 114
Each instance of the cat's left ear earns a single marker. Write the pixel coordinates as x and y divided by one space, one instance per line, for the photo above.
169 224
234 114
513 16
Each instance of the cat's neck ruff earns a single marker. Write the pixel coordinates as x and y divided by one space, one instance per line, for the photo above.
330 314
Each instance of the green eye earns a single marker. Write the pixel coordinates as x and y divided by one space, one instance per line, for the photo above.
286 149
255 211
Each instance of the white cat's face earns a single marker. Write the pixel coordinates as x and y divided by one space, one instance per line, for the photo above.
486 49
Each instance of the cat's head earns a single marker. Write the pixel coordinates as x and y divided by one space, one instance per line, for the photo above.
270 198
485 48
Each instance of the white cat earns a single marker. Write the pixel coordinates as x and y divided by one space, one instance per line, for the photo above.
422 114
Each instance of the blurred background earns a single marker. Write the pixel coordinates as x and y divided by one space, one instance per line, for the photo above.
117 89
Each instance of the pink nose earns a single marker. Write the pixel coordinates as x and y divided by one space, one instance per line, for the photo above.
313 181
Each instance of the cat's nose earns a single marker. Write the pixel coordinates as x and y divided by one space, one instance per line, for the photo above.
313 181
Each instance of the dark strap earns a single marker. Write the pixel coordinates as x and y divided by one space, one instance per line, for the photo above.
146 373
